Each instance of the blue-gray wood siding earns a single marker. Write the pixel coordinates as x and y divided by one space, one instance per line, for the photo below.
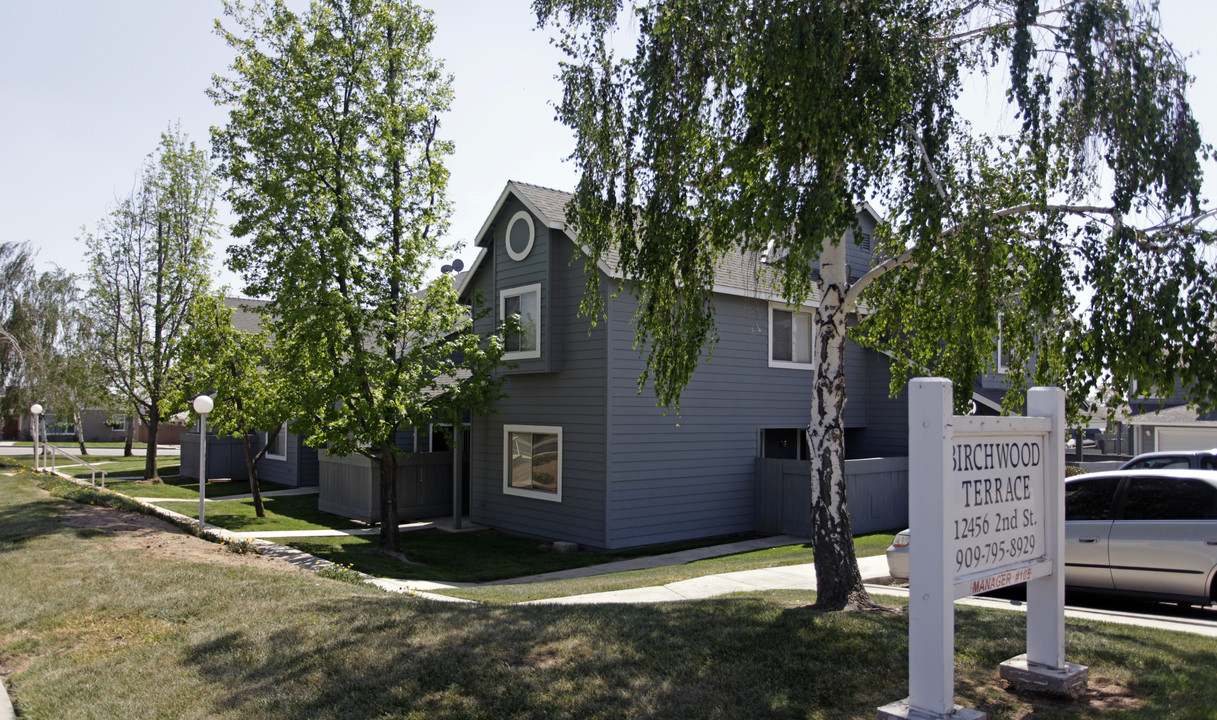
886 432
538 267
566 391
676 477
297 469
225 456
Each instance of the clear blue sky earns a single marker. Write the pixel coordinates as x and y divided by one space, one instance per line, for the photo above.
88 85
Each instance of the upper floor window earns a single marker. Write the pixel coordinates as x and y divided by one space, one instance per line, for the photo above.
1002 357
524 303
791 341
520 235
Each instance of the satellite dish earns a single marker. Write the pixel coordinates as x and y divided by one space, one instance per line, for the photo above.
457 265
446 269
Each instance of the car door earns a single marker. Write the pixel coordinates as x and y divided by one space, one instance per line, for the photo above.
1165 542
1089 503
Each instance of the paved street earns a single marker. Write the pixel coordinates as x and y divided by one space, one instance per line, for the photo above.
8 448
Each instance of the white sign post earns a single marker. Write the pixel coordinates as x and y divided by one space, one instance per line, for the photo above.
985 509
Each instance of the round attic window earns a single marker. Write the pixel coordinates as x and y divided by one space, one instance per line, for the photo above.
520 235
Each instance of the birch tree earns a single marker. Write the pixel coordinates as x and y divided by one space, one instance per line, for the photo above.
736 124
336 168
147 262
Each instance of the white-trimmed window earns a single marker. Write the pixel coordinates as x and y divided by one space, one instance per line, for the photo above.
520 236
791 340
1002 358
278 448
440 432
532 461
524 303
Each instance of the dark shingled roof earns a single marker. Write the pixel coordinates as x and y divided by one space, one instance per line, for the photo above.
736 272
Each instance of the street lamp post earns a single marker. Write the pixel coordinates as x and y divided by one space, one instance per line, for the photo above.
36 410
202 406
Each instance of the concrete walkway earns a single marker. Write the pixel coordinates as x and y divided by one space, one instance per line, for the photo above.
246 496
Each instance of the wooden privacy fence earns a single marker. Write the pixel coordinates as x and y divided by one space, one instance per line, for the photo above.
877 493
350 486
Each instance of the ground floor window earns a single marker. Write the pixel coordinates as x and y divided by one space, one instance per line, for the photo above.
784 443
278 447
532 461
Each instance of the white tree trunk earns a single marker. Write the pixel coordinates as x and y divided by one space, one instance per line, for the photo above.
838 579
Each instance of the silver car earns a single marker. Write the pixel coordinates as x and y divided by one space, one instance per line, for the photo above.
1143 533
1174 460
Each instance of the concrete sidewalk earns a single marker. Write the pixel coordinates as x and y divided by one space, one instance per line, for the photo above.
246 496
789 577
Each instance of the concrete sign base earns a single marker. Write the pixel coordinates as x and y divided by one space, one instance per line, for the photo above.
901 710
1026 676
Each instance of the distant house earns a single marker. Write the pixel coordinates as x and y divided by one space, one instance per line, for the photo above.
97 425
1174 428
576 453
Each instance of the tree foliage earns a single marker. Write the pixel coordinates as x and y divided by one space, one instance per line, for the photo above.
147 263
240 369
337 179
18 279
46 355
737 124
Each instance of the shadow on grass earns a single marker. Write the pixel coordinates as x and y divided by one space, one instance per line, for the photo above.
721 659
28 520
371 657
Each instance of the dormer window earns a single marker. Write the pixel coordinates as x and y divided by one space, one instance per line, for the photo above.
523 303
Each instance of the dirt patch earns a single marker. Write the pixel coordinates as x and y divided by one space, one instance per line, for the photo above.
133 531
1101 694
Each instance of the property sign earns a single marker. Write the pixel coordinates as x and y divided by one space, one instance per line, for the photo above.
986 510
997 507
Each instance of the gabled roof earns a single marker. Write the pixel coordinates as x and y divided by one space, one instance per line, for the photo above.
737 273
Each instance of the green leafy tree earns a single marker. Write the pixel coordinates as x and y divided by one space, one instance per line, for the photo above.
65 371
18 280
147 262
240 370
338 183
737 124
45 355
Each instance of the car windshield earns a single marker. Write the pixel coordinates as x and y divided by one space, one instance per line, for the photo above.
1169 462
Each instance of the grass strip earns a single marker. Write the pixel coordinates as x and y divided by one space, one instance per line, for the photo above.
468 557
91 632
864 546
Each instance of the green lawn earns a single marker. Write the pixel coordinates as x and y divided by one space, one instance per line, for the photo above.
864 546
91 631
292 512
176 486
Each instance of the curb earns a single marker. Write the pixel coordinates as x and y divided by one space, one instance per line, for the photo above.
6 705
